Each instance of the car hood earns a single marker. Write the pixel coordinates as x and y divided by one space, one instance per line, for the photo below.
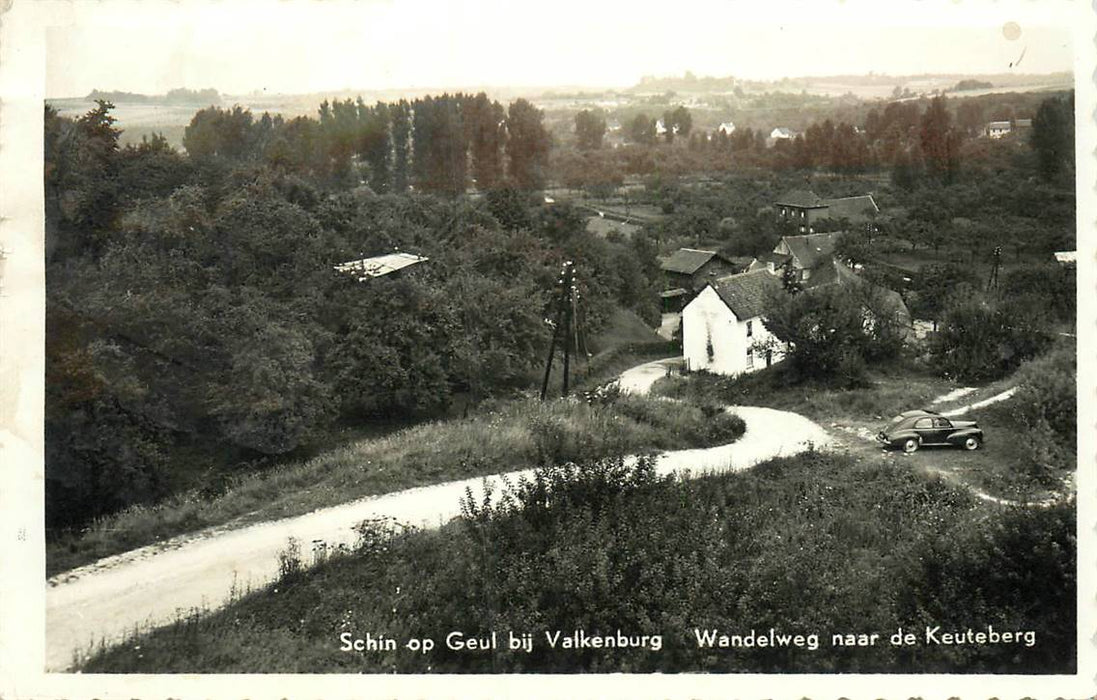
964 424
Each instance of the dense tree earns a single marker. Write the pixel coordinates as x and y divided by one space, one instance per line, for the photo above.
590 128
401 148
1053 135
527 145
487 123
642 130
939 141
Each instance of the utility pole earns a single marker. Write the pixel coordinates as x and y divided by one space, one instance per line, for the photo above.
564 323
993 281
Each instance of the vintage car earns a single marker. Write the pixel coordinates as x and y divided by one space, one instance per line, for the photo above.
913 429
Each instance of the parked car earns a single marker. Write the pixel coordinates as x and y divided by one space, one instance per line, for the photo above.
913 429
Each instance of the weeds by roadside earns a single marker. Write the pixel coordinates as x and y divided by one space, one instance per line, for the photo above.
503 437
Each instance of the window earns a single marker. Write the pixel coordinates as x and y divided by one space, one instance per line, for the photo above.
941 423
750 357
784 211
923 423
750 328
802 213
807 273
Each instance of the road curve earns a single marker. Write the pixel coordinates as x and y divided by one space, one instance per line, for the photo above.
153 585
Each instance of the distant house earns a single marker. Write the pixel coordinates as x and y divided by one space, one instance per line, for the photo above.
997 130
379 266
722 327
1067 258
727 128
1022 123
804 208
781 133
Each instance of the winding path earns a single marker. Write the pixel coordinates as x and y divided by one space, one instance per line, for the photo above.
154 585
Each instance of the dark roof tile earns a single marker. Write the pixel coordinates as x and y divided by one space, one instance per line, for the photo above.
687 260
745 293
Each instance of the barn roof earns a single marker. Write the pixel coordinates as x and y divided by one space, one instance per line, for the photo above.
813 248
800 198
379 265
853 208
745 293
687 260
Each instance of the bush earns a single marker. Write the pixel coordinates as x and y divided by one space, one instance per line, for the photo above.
1046 405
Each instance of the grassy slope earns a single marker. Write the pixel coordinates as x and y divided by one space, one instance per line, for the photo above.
820 543
515 435
1000 468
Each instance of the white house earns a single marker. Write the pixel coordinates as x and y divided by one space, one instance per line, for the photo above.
997 130
728 128
722 327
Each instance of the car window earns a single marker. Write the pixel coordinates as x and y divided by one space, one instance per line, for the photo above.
941 423
924 423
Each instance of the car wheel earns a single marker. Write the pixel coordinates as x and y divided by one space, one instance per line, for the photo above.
911 445
972 443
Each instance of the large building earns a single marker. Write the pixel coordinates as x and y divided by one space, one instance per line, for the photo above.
804 208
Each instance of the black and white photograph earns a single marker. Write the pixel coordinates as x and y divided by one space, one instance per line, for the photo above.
397 348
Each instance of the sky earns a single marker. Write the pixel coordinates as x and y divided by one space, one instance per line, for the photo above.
292 47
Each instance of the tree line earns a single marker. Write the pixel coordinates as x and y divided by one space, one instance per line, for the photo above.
440 144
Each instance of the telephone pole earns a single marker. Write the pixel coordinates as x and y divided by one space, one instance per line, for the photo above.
564 325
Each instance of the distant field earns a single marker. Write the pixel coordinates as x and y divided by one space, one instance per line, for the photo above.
144 119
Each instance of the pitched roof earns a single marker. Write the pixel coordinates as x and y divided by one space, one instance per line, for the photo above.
998 125
891 298
379 265
687 260
800 198
745 293
852 208
813 248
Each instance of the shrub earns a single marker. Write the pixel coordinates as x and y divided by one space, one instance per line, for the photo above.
1046 406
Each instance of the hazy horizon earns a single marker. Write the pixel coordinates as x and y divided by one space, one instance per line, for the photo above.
294 48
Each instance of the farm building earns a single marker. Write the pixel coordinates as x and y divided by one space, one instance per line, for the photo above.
688 270
379 265
997 130
804 208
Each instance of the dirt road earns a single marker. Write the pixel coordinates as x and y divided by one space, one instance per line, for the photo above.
153 585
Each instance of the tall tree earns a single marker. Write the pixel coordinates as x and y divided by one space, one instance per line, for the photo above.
642 129
1053 135
400 114
486 122
590 128
527 145
940 142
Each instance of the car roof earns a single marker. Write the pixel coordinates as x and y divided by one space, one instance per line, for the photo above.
918 412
